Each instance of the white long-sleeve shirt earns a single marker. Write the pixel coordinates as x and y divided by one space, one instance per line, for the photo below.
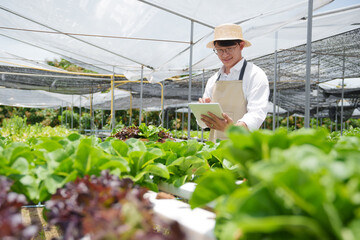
256 91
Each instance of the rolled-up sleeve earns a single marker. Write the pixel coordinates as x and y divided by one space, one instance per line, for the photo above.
257 96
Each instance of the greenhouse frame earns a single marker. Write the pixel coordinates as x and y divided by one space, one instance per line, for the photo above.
150 56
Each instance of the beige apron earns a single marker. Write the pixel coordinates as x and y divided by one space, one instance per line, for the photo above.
231 97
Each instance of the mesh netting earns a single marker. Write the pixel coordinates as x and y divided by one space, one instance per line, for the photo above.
334 57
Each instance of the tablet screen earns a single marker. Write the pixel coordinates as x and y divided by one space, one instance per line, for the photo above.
203 108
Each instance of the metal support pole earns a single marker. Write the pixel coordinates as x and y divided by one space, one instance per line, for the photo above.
308 65
91 111
112 101
61 112
89 119
317 94
275 79
102 119
278 98
342 95
190 75
182 124
160 123
141 93
295 122
72 112
202 93
287 121
336 120
80 114
130 113
175 118
278 113
167 118
163 109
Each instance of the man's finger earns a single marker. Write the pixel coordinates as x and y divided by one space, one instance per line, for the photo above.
206 100
227 118
214 116
206 117
208 123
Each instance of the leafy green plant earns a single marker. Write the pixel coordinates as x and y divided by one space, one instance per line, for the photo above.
336 135
117 128
301 186
185 160
69 118
138 159
71 67
151 133
16 129
14 126
182 134
45 164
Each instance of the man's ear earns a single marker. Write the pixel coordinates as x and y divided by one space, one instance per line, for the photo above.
242 45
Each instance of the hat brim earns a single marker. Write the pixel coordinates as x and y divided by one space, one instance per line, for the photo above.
211 44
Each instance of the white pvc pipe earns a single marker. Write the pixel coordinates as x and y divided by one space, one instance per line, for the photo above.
342 95
308 65
141 94
275 79
190 75
80 114
202 93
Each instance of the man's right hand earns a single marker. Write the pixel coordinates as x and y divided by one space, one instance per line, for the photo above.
204 100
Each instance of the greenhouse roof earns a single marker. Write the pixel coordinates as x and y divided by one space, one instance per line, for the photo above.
122 37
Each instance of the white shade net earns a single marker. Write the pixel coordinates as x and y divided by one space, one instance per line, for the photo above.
126 34
44 99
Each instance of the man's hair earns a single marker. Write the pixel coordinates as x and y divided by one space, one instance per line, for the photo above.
226 43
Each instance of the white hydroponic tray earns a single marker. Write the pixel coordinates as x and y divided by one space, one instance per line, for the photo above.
198 224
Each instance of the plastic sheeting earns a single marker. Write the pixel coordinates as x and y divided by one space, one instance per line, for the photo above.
8 59
102 101
44 99
324 25
351 89
143 34
349 83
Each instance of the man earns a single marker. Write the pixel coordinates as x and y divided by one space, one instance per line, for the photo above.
241 88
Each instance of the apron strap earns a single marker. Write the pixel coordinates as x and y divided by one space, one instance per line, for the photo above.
218 77
242 71
241 76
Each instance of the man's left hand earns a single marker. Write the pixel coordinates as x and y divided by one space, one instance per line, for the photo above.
216 123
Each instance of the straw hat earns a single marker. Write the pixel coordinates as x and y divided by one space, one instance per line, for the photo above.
228 31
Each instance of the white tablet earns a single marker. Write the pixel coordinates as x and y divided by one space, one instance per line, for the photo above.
203 108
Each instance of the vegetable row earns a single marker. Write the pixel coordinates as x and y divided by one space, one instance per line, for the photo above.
44 164
298 185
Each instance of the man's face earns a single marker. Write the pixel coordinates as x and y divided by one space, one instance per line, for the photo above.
231 55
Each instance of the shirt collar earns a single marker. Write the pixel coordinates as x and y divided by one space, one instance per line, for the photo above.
236 67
